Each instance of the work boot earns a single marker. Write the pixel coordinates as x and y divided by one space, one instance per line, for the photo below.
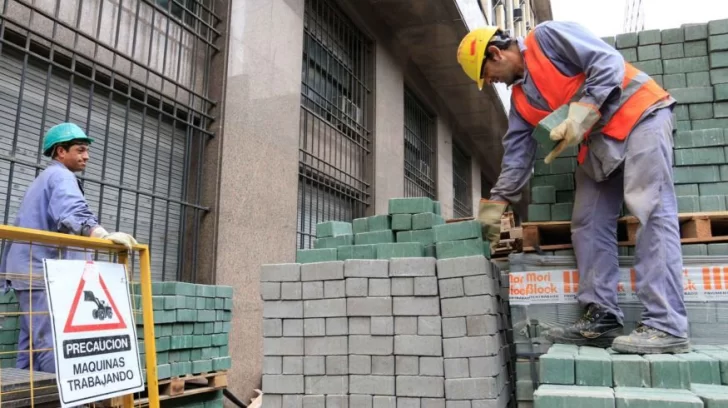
647 340
596 328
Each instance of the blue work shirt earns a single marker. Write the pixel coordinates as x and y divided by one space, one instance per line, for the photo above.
573 50
53 202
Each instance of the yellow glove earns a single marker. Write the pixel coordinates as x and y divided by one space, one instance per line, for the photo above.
120 238
489 215
582 117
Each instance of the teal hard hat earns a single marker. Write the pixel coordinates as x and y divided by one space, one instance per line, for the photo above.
61 133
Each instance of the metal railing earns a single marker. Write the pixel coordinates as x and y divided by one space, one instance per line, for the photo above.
419 149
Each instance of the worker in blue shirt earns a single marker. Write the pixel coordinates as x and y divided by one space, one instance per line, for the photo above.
53 202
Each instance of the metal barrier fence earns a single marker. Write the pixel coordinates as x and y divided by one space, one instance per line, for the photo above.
29 387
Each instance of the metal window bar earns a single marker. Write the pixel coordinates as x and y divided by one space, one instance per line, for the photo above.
335 138
134 74
419 149
461 176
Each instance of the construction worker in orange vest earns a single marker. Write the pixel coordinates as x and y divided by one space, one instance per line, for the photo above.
620 119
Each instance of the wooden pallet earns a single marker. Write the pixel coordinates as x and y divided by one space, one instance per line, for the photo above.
181 387
695 228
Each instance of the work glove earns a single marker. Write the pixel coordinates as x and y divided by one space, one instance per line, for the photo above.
120 238
489 215
581 118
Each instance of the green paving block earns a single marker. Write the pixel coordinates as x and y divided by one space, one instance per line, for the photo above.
561 211
219 303
209 303
719 59
699 138
698 79
227 315
425 237
542 152
190 302
401 222
560 165
180 342
626 40
430 251
174 356
426 220
709 123
653 67
9 336
556 368
696 48
179 288
560 182
200 303
196 354
712 203
695 31
411 205
694 250
717 250
683 125
217 327
539 212
457 230
718 42
205 315
672 51
688 189
360 225
221 363
207 353
437 207
379 223
692 95
219 339
201 341
688 204
668 371
565 196
701 110
174 301
560 396
713 188
542 132
720 109
400 250
629 54
162 357
228 304
164 316
357 252
226 327
333 242
658 79
713 396
375 237
673 35
609 40
163 343
719 76
184 355
671 81
649 37
457 249
10 323
304 256
700 156
703 369
158 288
718 27
333 229
684 65
205 291
186 315
164 371
630 370
648 52
564 349
201 366
593 370
721 92
543 195
628 397
696 174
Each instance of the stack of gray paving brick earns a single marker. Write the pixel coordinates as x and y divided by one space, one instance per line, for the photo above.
419 365
476 364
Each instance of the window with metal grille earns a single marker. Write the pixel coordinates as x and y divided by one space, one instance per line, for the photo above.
335 138
419 149
461 175
136 79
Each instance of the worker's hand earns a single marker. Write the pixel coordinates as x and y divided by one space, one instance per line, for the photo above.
582 117
120 238
489 215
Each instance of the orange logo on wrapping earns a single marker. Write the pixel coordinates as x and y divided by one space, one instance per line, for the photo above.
714 278
532 283
571 281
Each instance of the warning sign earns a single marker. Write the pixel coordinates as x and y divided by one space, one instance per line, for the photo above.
93 331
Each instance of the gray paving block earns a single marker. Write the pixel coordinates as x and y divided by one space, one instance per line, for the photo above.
653 67
409 345
314 327
471 388
272 365
451 288
325 346
410 267
480 346
419 386
479 285
360 401
382 325
464 266
425 286
360 364
280 273
334 289
405 325
371 384
283 384
369 306
416 306
460 404
429 325
384 402
321 271
336 326
291 291
336 401
718 59
283 346
325 308
380 287
696 48
629 54
403 286
432 403
357 287
312 290
454 327
649 37
272 327
337 365
327 384
293 327
283 309
673 35
270 290
626 40
695 31
456 368
365 268
272 400
481 325
648 52
485 366
672 51
314 365
408 402
468 306
293 365
313 401
432 367
371 345
360 325
407 365
383 365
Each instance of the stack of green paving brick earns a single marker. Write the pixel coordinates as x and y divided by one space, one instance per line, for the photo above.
191 327
206 400
570 376
9 329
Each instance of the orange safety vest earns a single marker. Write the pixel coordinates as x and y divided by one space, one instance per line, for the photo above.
639 92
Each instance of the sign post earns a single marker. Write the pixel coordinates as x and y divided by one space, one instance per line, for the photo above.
94 334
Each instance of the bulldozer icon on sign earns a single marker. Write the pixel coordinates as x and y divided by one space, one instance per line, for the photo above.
102 310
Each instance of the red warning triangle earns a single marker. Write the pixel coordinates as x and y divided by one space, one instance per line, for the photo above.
102 310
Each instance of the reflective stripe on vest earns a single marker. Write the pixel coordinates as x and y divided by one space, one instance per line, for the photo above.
639 92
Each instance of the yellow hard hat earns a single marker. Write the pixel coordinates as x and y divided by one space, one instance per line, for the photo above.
471 52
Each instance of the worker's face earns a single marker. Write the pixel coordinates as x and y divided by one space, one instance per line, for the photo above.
74 158
499 68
